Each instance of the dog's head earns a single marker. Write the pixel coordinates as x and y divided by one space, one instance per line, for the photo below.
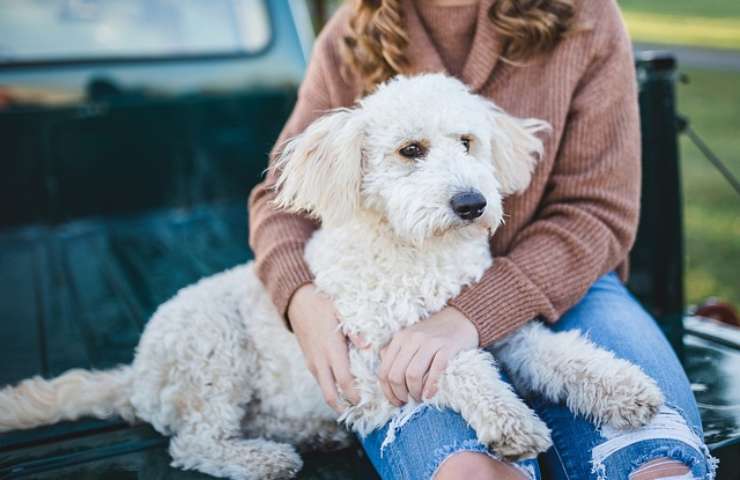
423 153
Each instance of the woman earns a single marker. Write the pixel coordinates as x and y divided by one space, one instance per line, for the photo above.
561 256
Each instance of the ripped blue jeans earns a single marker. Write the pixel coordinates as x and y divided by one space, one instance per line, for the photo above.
614 320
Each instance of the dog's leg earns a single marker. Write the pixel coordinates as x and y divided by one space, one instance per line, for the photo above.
471 385
567 367
199 448
210 439
196 381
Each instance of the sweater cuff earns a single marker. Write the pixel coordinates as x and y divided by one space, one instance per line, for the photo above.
285 272
502 301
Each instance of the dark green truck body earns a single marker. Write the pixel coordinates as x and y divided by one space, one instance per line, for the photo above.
123 180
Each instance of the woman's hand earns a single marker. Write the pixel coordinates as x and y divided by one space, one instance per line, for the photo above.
315 323
413 361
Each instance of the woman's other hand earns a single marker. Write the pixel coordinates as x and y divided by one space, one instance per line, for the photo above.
413 361
316 326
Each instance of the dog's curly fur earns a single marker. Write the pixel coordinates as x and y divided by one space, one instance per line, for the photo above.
217 370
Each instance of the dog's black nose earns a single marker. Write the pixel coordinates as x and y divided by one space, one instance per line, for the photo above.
468 205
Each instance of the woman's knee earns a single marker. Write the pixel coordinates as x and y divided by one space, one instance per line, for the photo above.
661 468
476 466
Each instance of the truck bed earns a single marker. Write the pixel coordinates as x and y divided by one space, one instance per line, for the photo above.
84 290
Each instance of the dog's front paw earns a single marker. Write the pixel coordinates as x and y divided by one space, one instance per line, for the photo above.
634 400
515 433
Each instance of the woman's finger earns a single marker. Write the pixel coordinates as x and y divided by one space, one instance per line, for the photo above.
387 354
388 392
397 374
339 359
328 387
358 341
439 364
417 370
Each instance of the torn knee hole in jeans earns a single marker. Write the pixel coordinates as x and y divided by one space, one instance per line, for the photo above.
662 468
441 455
681 443
409 411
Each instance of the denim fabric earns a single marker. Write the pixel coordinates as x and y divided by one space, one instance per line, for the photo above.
614 320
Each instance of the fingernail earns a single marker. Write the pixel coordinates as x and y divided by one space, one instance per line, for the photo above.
359 341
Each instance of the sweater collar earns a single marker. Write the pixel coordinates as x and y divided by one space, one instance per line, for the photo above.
485 52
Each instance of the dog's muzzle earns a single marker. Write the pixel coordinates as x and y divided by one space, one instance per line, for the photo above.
468 205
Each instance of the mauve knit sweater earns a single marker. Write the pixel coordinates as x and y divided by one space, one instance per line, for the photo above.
575 222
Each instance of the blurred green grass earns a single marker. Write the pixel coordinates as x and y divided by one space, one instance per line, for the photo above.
692 8
708 23
711 101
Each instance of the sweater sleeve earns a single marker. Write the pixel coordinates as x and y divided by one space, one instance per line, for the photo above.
587 219
277 237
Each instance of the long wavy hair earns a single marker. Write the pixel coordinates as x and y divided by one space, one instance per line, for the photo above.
374 49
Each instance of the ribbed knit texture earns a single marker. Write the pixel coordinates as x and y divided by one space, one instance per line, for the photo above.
451 30
578 218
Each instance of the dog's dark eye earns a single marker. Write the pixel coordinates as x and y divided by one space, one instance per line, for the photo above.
466 143
412 150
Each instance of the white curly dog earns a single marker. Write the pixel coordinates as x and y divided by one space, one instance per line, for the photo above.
408 186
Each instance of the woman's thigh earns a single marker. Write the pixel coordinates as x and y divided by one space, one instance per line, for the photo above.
414 449
614 320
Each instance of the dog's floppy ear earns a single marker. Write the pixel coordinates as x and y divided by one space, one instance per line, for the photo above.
320 170
515 148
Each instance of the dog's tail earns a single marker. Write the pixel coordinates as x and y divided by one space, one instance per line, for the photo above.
74 394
